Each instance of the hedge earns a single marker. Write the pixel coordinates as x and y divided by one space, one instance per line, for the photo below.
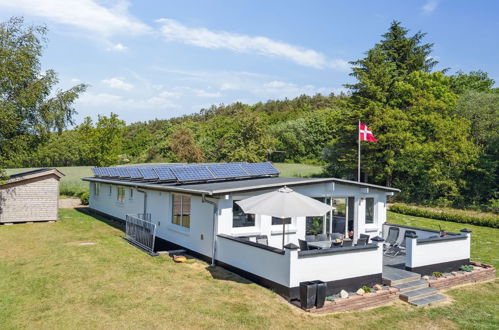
447 215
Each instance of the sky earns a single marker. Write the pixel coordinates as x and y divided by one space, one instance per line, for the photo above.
160 59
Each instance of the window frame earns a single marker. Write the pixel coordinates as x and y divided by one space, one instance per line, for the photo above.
96 188
372 221
251 215
130 196
181 220
120 196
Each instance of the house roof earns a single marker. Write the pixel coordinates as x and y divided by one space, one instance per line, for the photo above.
22 176
233 186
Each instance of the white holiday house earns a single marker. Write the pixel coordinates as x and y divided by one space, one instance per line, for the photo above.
192 207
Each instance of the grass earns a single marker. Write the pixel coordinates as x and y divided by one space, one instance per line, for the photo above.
50 280
71 184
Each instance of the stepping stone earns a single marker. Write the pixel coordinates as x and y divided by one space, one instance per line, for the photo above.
436 298
417 294
411 286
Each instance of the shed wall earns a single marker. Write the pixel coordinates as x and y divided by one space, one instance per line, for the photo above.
35 199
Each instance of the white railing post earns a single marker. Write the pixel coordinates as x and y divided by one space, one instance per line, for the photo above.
411 241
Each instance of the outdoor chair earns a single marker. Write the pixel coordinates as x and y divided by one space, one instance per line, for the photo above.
334 236
361 241
365 236
347 242
310 238
322 237
391 240
303 245
401 247
262 239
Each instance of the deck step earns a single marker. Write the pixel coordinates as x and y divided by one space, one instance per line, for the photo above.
436 298
417 294
395 276
411 286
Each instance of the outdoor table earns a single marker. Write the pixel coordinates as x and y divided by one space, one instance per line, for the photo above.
320 244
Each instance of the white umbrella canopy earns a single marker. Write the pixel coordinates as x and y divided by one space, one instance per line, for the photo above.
284 203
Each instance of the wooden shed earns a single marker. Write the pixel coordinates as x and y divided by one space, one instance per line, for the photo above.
30 196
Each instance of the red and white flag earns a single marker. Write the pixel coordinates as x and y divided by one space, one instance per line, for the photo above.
365 133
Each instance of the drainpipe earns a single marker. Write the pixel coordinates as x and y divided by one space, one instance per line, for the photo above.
215 210
145 200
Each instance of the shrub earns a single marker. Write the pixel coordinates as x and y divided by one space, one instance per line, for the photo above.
366 289
437 274
84 198
479 219
466 268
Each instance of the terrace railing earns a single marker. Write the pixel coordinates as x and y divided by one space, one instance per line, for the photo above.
141 231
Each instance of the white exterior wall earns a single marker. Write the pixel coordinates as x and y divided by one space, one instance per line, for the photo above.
336 266
439 251
267 264
198 237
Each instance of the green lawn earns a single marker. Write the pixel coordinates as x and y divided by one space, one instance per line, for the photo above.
49 280
72 181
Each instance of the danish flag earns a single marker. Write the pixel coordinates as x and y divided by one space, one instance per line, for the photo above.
365 133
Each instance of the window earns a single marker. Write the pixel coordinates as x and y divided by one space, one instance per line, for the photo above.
131 194
369 210
278 221
181 211
110 190
121 194
96 188
241 219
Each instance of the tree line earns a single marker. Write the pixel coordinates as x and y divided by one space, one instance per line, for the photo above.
438 134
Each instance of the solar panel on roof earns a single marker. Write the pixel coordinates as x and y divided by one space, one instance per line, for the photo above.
123 172
104 171
192 173
226 171
134 173
148 173
164 173
260 168
96 171
113 171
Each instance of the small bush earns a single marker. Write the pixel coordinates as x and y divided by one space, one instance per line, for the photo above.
84 198
366 289
437 274
487 220
466 268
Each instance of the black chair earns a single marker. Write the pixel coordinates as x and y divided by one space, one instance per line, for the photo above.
401 248
361 241
322 237
347 242
365 236
334 236
310 238
391 240
303 245
262 239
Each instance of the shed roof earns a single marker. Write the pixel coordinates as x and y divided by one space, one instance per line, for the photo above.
233 186
22 176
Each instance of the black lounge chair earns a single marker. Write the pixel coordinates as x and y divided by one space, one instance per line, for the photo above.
391 240
401 247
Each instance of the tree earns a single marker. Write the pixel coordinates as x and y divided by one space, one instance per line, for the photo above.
29 106
184 147
475 80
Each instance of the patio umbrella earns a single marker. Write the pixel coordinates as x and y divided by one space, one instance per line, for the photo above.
284 203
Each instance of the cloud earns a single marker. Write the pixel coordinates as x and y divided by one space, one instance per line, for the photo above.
430 6
88 15
239 43
117 48
118 83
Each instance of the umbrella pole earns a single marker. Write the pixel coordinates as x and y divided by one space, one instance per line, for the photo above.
283 231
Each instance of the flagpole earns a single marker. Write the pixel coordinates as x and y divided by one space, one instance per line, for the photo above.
358 165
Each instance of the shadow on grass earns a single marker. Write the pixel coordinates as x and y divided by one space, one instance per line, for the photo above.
113 222
220 273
